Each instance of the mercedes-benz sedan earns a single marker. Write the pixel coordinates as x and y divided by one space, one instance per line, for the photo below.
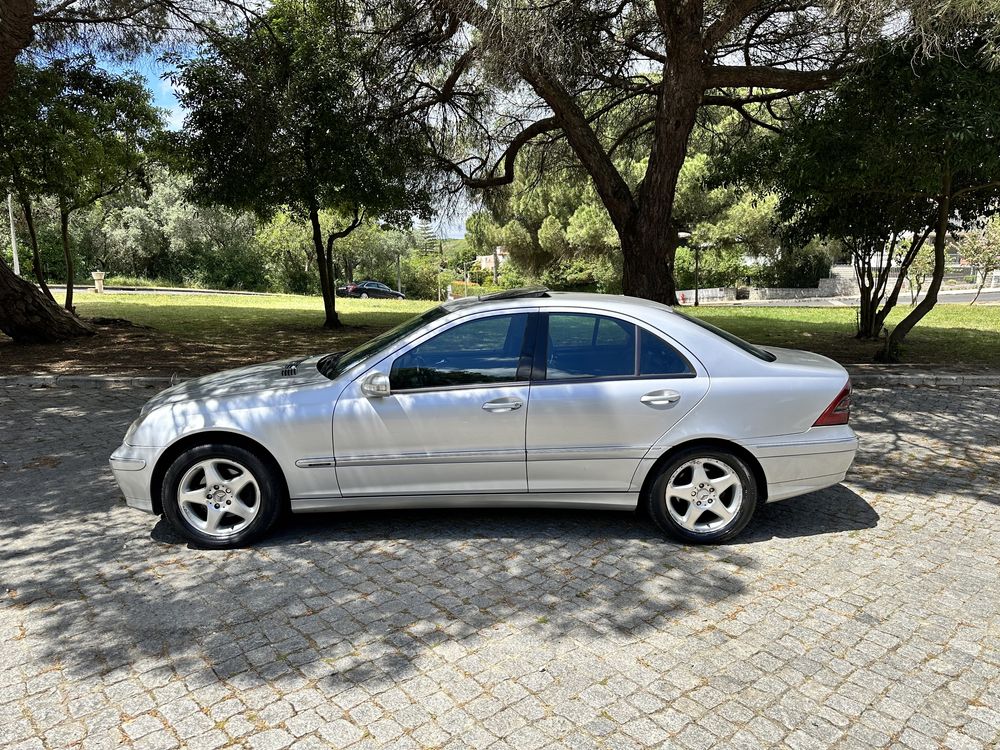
523 398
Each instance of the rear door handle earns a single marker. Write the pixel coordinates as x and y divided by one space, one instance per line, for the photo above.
503 404
660 398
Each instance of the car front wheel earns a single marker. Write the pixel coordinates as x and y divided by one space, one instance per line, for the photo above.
703 496
221 496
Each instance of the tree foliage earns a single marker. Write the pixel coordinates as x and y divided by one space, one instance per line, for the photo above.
294 115
898 153
622 83
980 247
75 134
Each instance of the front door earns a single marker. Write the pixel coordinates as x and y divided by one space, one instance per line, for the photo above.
454 421
605 390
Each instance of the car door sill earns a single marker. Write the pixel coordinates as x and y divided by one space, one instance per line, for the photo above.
582 500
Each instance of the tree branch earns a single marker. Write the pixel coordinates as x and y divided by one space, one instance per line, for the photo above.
735 13
509 156
747 76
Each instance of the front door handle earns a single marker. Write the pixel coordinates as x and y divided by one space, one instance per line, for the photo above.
660 398
503 404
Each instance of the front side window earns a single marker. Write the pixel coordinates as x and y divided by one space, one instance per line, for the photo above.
479 352
589 346
332 365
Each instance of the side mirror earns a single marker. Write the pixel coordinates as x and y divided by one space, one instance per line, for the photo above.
376 385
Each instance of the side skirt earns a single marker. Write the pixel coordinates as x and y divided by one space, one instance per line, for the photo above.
582 500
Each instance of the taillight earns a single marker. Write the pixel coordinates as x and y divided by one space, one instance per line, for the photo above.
839 411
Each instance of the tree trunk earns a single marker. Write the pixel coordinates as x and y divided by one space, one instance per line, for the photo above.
891 351
36 257
866 302
648 265
325 284
330 303
980 289
16 33
29 318
654 246
904 269
67 253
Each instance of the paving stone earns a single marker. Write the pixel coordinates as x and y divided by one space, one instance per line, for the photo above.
864 615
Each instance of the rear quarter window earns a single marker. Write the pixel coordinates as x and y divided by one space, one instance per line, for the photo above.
749 348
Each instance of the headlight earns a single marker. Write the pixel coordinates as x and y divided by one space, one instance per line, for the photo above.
131 430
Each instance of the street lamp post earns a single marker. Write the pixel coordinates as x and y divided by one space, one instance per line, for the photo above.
13 235
684 237
697 272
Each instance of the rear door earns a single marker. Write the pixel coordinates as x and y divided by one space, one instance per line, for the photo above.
604 389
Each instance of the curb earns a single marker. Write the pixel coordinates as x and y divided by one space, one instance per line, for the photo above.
89 381
161 290
937 380
859 379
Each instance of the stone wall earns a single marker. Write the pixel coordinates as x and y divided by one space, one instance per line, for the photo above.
758 293
711 294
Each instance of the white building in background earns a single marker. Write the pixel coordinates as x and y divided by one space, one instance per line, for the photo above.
500 256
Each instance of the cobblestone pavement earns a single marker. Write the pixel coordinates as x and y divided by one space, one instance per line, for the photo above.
867 615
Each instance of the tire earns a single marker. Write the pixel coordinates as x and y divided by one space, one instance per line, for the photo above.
726 484
247 496
364 295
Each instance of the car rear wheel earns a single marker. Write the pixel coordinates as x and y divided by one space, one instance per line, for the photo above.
221 496
703 496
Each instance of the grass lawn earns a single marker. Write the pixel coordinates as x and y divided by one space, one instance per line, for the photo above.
223 317
951 335
191 334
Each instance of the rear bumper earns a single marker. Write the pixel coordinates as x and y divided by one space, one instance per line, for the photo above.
810 461
133 468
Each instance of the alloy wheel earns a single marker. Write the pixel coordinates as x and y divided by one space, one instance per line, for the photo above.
704 495
219 497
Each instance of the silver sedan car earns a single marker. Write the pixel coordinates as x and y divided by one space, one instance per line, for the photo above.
525 398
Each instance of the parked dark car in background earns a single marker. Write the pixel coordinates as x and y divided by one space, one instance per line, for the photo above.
366 289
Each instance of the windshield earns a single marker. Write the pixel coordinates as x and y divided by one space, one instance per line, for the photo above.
333 365
735 340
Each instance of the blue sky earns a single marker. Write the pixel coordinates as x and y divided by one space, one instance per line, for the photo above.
165 98
163 93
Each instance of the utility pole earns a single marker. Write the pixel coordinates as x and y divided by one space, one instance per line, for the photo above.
697 272
440 266
697 267
496 265
13 235
399 274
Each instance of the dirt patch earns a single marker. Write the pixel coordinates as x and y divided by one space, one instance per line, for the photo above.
123 349
43 462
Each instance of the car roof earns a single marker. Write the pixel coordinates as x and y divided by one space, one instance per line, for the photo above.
542 297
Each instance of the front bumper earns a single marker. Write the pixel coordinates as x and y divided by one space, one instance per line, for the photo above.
797 464
133 469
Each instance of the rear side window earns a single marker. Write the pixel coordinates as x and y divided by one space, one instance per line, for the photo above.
657 357
582 345
589 346
487 350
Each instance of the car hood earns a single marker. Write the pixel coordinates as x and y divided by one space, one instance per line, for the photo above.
280 375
